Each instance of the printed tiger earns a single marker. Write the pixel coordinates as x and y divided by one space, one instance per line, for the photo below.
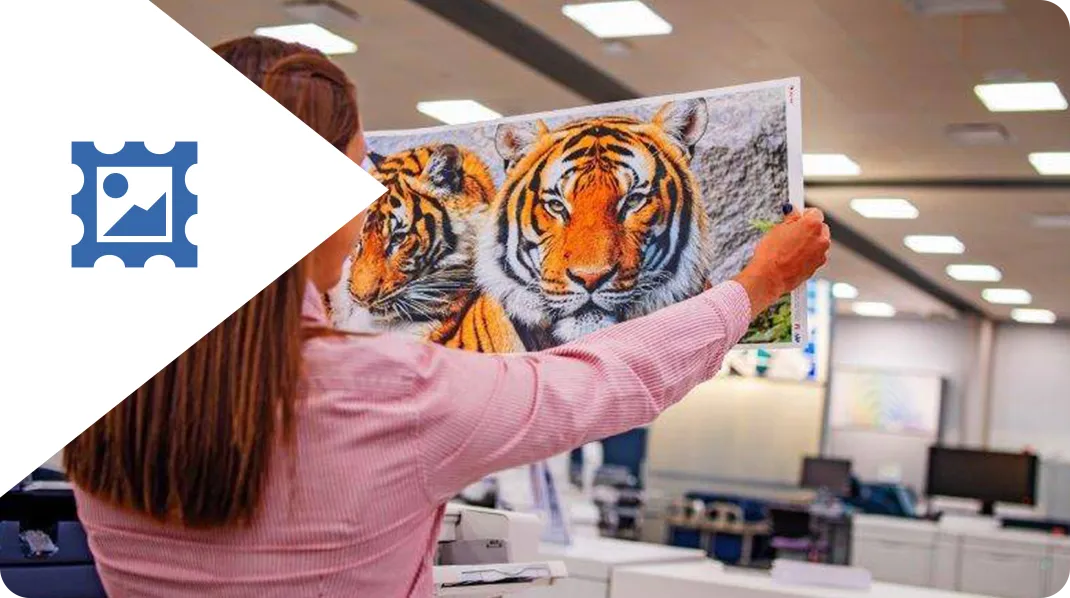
597 221
411 270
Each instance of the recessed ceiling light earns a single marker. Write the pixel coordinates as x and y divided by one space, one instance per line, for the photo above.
1051 220
1007 296
457 112
842 290
978 134
830 165
887 208
1033 316
956 7
934 244
311 35
872 309
1021 97
628 18
1051 163
974 273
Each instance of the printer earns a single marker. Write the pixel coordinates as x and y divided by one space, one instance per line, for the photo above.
490 553
43 548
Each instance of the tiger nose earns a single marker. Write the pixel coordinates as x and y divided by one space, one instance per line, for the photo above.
367 297
592 279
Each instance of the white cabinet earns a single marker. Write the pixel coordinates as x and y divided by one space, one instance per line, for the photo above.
901 552
945 572
1003 568
1059 572
894 561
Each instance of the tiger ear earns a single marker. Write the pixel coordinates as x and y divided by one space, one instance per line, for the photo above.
514 140
376 159
684 120
445 169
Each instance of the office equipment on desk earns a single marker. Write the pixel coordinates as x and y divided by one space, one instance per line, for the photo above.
490 553
811 534
43 548
987 476
1048 526
591 561
833 475
893 500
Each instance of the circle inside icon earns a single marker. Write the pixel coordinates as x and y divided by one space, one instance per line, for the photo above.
116 185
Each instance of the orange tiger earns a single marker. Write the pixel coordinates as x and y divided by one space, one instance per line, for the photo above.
597 221
411 270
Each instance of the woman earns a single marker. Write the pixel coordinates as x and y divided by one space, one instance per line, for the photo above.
278 458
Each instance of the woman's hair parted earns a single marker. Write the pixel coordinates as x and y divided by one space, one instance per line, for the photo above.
317 92
194 445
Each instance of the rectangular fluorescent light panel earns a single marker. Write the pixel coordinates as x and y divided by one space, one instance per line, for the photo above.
457 112
1033 316
885 208
842 290
1039 96
956 7
829 165
607 20
1007 296
1051 163
934 244
311 35
873 309
978 134
974 273
1051 221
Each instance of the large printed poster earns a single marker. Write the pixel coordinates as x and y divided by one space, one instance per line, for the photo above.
528 232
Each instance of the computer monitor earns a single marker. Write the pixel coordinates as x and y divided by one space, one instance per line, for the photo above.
987 476
833 475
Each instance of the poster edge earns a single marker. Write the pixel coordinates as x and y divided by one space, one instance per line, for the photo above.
566 112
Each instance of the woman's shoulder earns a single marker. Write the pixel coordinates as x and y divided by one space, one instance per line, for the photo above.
340 360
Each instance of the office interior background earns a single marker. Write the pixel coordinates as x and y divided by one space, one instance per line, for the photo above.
937 139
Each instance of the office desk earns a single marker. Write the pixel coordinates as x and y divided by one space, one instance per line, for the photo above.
703 580
591 562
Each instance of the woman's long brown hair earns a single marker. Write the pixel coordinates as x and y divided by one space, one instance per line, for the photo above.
193 446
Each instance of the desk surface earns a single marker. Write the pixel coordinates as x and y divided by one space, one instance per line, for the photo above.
694 580
595 558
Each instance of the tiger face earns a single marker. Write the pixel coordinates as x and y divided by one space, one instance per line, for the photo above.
414 255
597 221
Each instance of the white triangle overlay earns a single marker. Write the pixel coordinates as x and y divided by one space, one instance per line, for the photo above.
76 341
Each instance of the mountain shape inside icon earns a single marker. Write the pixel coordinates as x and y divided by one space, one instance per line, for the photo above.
139 222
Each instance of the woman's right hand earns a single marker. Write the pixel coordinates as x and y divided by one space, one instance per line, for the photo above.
786 257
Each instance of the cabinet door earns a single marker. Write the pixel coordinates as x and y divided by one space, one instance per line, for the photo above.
571 587
1003 573
893 561
1059 574
945 573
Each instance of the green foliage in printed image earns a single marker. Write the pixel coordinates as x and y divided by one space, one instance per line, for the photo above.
773 325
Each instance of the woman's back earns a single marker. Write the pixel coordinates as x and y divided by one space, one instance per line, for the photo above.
344 507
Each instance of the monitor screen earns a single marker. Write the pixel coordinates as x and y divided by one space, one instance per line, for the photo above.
982 475
833 475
